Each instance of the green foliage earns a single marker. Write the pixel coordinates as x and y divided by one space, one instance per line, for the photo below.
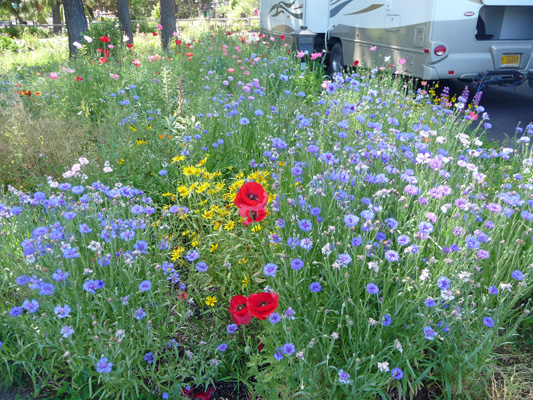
7 44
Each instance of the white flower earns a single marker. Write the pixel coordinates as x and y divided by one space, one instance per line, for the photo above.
398 345
88 39
326 249
383 366
373 265
506 286
77 45
108 169
425 275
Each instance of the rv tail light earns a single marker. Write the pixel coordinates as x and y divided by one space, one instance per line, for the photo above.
440 50
426 50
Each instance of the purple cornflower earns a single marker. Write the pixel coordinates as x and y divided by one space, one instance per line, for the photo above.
429 333
288 349
232 328
386 320
443 283
278 356
392 256
351 220
84 228
344 259
62 311
222 347
305 225
66 331
103 365
274 318
493 290
145 286
149 357
425 227
69 215
46 289
30 306
372 288
201 266
483 254
139 313
344 377
403 240
488 321
192 255
315 287
270 269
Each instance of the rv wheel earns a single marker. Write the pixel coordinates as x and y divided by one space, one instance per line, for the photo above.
335 58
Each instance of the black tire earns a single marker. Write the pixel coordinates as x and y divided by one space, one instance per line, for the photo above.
336 63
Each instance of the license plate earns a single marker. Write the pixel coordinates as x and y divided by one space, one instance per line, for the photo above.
510 60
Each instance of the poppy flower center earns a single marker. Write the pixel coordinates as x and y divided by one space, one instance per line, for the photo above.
263 303
241 307
252 196
253 214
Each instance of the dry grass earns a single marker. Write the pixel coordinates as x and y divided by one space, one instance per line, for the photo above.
37 145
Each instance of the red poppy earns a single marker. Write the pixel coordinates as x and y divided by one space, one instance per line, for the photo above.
100 50
106 52
252 216
289 51
355 63
228 33
239 310
243 39
79 78
184 295
251 196
102 60
105 39
206 395
261 305
129 45
259 345
154 33
178 42
282 37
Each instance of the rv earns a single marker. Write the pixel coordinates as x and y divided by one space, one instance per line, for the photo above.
485 41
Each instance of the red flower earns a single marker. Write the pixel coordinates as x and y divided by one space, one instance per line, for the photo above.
355 63
282 37
252 216
228 33
79 78
100 50
259 345
243 39
183 296
154 33
178 42
207 395
105 39
239 310
261 305
251 196
106 52
102 60
129 45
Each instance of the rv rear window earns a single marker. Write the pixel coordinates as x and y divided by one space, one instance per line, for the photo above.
505 23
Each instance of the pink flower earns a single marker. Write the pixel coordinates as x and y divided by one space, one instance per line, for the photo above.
401 61
373 48
325 84
300 54
256 12
159 26
314 56
136 62
175 34
110 46
114 76
53 75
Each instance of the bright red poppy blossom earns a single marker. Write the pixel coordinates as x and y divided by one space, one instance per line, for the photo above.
206 395
154 33
355 63
251 196
228 33
252 216
105 39
282 37
102 60
178 42
261 305
129 45
79 78
239 310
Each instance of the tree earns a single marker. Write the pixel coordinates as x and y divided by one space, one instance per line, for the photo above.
124 18
76 23
168 20
56 17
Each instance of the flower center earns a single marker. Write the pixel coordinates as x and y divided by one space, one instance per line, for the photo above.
241 307
263 303
253 214
252 196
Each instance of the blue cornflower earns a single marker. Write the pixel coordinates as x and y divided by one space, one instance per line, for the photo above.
425 227
244 121
344 377
488 321
66 331
278 356
351 220
392 256
403 240
315 287
201 266
192 255
305 225
145 286
386 320
315 211
78 189
517 274
443 283
62 311
139 313
372 288
104 365
149 357
429 333
297 264
397 373
356 241
429 302
70 252
59 275
30 306
274 318
232 328
84 228
270 269
15 311
163 172
493 290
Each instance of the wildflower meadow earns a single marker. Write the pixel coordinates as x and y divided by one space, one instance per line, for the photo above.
224 214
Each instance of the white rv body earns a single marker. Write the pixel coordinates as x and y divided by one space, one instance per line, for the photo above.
438 39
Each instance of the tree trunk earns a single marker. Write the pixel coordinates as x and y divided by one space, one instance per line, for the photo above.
76 23
91 12
168 20
123 12
56 18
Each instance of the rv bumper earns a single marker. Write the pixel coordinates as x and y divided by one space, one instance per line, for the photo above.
509 77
